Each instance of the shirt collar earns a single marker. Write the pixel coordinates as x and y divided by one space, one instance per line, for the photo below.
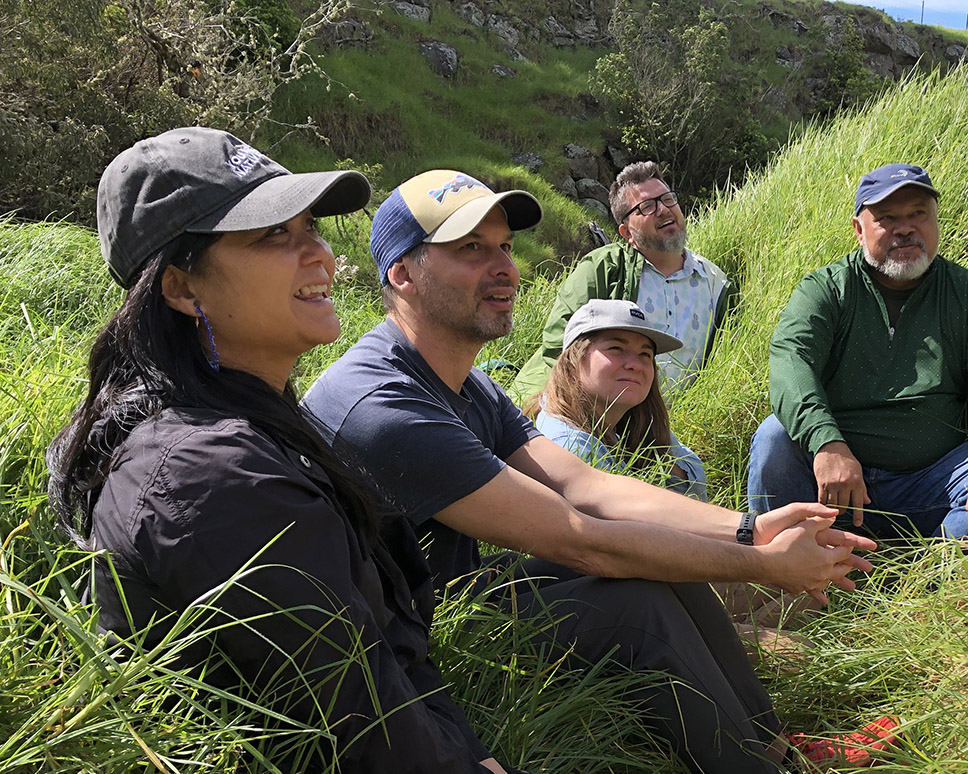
690 265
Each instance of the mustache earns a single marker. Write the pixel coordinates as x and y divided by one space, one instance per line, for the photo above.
907 242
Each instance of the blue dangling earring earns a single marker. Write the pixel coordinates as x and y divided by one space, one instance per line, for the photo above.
203 320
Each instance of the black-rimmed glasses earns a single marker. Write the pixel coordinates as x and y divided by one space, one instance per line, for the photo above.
649 206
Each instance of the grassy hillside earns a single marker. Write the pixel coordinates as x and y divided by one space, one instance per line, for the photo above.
71 702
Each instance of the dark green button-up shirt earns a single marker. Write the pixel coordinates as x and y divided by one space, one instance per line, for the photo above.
839 372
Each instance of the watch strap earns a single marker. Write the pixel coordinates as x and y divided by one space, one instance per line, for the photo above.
744 534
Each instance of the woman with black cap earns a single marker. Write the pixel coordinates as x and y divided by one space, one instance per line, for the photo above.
191 467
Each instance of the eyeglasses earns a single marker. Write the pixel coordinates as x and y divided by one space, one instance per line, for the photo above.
647 207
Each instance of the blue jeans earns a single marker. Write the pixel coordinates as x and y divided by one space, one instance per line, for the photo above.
932 500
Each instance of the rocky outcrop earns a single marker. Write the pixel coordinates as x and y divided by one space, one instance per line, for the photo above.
415 11
442 57
591 174
575 23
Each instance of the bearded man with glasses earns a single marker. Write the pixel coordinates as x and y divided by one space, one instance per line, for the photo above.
682 293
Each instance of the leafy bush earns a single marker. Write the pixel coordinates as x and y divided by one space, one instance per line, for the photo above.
679 96
80 81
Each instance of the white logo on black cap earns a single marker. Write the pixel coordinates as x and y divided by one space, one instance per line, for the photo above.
244 159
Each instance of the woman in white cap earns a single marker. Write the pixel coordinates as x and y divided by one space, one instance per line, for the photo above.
209 492
603 401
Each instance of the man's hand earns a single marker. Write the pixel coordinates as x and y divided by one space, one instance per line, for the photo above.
840 481
808 553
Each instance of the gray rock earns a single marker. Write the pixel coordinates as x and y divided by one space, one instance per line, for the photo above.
504 72
442 58
568 188
587 31
583 168
619 157
597 206
576 151
780 18
581 161
412 11
954 53
530 161
471 13
788 57
515 55
906 50
348 33
881 65
878 38
560 35
503 28
589 188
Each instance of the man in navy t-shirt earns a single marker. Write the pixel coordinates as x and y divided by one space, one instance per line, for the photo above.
615 557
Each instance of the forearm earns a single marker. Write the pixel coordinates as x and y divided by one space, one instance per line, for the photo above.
633 549
623 498
515 511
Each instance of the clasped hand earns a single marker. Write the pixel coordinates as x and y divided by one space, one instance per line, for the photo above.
806 553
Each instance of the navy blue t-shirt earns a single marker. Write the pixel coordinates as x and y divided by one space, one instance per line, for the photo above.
425 445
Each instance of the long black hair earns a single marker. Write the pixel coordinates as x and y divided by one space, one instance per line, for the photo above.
148 358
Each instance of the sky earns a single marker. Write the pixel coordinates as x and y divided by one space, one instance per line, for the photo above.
942 13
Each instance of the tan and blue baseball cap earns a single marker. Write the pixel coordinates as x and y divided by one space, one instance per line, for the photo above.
199 180
440 206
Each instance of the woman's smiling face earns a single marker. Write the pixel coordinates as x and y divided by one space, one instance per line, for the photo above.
618 370
266 294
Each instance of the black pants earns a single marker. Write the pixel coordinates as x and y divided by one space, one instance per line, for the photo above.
714 711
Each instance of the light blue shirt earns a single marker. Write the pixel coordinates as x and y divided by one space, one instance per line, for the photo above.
598 455
682 305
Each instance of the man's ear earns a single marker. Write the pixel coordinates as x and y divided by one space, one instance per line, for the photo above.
624 232
399 276
858 230
177 290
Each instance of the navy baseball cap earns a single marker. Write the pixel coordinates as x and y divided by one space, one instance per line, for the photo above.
204 181
440 206
608 314
882 182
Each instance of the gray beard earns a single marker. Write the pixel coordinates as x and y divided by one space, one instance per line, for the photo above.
673 244
900 271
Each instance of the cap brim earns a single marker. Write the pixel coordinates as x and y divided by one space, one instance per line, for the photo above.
896 188
283 197
663 341
521 208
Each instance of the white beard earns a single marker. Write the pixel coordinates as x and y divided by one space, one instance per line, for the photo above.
900 271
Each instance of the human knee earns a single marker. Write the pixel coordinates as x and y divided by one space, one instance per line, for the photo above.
771 439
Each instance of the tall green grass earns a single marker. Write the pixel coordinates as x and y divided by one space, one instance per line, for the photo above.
898 645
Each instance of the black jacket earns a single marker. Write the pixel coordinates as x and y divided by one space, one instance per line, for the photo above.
322 618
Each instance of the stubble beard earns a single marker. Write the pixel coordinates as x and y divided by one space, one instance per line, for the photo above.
900 271
473 326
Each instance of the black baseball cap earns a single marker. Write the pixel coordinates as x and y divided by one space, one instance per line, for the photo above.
204 181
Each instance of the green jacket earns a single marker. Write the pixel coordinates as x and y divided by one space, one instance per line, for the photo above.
612 271
838 372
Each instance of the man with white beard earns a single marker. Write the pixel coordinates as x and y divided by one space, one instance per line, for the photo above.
682 293
869 374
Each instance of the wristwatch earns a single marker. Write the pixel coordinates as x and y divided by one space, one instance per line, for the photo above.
744 534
